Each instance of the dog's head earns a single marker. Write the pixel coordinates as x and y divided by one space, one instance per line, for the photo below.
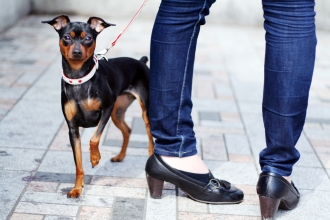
77 39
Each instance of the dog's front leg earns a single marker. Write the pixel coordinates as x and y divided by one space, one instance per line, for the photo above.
76 148
95 155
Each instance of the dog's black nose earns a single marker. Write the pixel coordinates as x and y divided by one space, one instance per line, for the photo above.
77 53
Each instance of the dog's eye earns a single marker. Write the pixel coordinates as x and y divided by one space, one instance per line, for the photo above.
67 37
88 38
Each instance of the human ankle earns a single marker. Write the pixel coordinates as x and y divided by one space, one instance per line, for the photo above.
288 178
192 164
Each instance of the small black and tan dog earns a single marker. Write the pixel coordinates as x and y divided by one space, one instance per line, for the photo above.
94 90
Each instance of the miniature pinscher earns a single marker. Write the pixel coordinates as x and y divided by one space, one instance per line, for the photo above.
94 90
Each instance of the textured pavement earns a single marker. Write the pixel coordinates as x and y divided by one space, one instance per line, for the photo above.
36 162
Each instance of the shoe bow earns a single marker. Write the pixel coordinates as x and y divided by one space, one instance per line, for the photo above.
218 183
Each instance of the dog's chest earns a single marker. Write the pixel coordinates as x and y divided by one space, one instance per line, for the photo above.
90 104
81 105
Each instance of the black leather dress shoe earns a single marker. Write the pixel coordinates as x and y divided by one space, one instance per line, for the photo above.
275 192
215 192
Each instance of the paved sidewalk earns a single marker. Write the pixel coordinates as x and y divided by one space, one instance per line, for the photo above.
36 162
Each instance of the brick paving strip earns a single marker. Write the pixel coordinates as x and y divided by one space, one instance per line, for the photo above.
36 162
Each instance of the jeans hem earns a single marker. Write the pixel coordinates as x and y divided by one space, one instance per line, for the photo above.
175 154
275 170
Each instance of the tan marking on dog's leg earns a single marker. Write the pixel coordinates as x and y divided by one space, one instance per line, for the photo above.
118 118
147 123
70 109
95 155
77 189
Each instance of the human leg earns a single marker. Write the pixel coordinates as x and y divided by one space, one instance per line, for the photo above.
173 46
289 64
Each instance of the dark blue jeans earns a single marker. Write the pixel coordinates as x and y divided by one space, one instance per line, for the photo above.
289 63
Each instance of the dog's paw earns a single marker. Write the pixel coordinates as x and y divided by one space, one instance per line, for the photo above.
95 159
74 193
95 155
118 158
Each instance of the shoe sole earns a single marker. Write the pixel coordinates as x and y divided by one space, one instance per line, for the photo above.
208 202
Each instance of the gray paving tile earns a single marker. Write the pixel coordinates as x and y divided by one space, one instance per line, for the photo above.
61 198
237 209
248 91
214 149
52 76
44 93
20 216
58 177
136 144
215 105
11 187
91 212
303 144
234 172
126 192
222 124
308 160
186 204
165 208
208 115
319 112
237 144
215 131
47 209
312 205
62 162
138 126
35 186
20 159
27 78
223 89
309 178
128 208
11 93
52 217
250 107
31 124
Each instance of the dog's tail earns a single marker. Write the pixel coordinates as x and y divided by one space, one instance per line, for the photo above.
144 59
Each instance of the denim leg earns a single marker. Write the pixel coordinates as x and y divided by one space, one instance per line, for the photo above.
289 65
173 46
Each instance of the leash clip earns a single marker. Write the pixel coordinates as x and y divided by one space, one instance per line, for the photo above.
101 54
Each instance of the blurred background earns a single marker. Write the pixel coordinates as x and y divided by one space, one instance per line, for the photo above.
241 12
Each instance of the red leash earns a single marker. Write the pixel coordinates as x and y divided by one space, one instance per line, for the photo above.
101 54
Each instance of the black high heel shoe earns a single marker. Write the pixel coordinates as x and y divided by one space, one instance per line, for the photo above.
275 192
215 192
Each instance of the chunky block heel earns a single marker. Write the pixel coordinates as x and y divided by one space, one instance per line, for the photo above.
275 192
155 187
268 207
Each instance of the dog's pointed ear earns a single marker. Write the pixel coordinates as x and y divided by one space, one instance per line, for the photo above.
98 24
58 22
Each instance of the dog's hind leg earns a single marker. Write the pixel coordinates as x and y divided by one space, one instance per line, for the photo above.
118 118
144 103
